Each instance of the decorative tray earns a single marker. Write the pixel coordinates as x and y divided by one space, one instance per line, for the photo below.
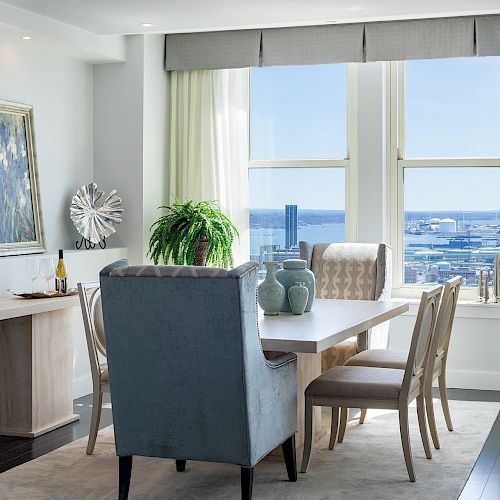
44 295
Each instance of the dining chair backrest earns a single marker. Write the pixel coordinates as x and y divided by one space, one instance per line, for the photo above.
421 338
187 374
352 271
446 315
90 303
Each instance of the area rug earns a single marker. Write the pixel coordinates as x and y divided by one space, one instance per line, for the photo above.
367 465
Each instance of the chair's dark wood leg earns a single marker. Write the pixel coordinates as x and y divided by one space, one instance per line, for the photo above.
180 465
288 448
125 472
246 483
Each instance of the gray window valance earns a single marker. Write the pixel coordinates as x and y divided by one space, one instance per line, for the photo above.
420 39
338 43
213 50
488 35
312 45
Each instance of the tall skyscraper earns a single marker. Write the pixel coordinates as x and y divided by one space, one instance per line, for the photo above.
290 226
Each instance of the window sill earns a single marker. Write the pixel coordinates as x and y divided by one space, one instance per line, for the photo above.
465 308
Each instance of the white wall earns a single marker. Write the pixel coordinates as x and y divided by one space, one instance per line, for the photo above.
118 138
60 90
474 356
155 138
130 135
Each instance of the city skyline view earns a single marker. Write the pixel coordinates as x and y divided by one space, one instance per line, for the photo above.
437 245
451 215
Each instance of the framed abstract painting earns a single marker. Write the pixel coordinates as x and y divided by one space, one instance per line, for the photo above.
20 219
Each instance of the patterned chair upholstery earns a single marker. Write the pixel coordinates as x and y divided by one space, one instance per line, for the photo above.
350 271
188 377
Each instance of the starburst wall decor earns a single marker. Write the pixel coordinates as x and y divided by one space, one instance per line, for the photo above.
95 223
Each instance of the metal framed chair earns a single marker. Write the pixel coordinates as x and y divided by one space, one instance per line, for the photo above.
90 303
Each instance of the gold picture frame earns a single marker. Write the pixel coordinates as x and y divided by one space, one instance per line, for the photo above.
21 229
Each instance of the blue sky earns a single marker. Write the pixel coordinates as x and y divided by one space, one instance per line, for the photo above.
452 109
320 188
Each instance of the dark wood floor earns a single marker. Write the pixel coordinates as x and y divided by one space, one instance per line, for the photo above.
483 482
484 479
16 451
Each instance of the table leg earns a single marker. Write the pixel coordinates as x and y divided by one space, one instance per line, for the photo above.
36 373
363 341
308 368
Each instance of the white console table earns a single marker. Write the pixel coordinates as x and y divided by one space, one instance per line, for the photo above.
36 365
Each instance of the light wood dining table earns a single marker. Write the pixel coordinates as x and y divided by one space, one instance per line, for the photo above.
328 323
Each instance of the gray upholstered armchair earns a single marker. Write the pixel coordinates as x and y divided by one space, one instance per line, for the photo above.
352 271
187 374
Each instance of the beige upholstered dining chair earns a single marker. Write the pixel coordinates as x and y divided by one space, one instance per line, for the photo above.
385 388
352 271
438 355
90 302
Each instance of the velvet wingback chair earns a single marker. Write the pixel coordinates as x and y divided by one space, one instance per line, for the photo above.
350 271
188 377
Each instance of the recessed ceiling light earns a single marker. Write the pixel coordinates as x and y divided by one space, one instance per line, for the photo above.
26 38
146 25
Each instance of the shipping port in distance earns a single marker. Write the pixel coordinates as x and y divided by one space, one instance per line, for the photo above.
437 245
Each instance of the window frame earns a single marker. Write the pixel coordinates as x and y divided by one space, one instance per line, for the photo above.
349 163
397 165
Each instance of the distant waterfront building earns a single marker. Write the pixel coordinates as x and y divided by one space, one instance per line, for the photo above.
447 226
290 226
410 275
432 275
274 253
443 265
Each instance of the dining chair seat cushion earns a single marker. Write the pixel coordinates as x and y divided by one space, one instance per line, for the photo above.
380 358
358 382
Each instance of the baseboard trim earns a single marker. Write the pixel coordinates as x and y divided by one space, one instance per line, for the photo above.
473 379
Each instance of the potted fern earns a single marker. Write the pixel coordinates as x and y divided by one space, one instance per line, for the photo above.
194 234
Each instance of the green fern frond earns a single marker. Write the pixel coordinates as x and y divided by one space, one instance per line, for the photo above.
175 235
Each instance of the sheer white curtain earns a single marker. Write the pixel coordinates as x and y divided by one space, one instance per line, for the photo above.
209 143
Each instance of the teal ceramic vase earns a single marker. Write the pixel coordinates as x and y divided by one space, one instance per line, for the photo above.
271 293
298 295
295 270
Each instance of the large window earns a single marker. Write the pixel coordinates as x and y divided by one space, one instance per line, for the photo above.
298 158
447 169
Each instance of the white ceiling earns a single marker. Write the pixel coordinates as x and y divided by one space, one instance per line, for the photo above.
105 17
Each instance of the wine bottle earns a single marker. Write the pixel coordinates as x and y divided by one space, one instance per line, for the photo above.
61 274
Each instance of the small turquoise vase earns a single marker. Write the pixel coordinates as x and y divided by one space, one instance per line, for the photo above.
295 270
270 293
298 295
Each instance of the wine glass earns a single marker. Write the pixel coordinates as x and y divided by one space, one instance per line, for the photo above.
47 271
32 271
